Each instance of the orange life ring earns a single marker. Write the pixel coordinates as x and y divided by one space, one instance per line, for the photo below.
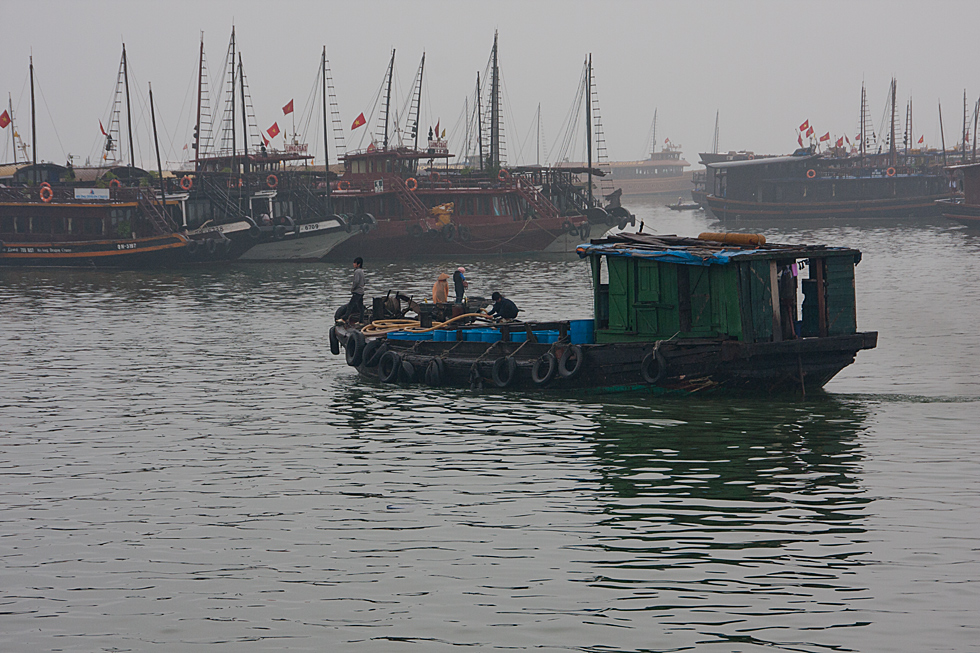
272 181
186 183
45 184
46 193
115 183
434 176
343 185
811 173
503 175
890 172
411 184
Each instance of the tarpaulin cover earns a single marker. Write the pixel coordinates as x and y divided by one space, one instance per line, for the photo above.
682 256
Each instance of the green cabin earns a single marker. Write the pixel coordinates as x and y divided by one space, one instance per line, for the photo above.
735 287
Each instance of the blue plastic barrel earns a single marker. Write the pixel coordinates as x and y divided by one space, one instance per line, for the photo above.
582 332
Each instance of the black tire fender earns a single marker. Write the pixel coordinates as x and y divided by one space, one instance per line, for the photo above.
464 232
544 369
476 378
407 372
435 372
653 367
504 371
355 348
389 366
372 352
334 341
568 369
279 232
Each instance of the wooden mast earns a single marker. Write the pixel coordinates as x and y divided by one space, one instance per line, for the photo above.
33 121
129 115
391 67
479 120
892 154
245 170
326 157
494 109
13 141
234 167
588 124
942 134
200 91
156 144
418 106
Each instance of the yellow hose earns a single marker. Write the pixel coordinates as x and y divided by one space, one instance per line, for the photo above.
381 327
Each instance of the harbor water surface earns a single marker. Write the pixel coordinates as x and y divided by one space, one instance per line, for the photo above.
186 467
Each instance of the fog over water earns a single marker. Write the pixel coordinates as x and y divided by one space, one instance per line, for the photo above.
765 67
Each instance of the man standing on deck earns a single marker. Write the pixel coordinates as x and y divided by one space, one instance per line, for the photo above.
356 305
459 281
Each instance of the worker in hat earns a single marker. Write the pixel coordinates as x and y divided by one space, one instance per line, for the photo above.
440 289
459 281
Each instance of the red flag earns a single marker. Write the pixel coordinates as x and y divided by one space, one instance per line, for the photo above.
858 138
288 109
809 132
825 137
799 139
265 141
847 139
4 120
922 139
372 147
274 130
437 130
805 125
358 121
666 140
102 128
840 142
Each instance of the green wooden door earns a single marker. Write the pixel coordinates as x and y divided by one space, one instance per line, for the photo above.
841 310
620 318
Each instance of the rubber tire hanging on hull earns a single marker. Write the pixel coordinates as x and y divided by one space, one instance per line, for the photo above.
653 367
576 369
355 348
504 371
547 359
372 352
435 373
389 366
334 341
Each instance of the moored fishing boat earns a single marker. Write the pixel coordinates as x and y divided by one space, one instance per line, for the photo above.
713 313
965 209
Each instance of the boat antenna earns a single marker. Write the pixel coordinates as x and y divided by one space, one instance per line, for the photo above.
942 135
479 119
156 144
391 66
588 124
326 157
33 120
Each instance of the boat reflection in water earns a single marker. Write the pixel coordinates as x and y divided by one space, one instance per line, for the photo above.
707 503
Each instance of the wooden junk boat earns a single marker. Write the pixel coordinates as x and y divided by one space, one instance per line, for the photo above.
965 209
671 314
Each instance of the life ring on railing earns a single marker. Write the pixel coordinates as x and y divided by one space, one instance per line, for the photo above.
46 193
272 181
811 173
411 184
343 185
503 175
115 183
45 184
434 176
186 183
890 172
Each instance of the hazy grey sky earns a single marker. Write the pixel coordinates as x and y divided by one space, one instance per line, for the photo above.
766 66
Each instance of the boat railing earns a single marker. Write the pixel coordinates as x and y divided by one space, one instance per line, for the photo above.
66 195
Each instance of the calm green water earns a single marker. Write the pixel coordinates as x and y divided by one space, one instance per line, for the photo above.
186 467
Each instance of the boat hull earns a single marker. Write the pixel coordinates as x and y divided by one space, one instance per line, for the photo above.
968 214
794 366
303 242
921 206
392 239
153 251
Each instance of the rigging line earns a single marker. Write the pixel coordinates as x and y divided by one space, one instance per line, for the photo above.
180 114
456 126
569 137
370 117
37 84
519 155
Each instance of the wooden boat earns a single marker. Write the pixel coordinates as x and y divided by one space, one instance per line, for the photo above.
965 209
261 202
684 206
671 314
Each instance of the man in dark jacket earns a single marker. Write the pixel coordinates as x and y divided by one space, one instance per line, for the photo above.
460 283
503 308
356 305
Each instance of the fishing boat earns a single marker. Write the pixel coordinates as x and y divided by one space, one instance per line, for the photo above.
681 205
47 219
811 185
720 312
267 205
965 209
423 205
